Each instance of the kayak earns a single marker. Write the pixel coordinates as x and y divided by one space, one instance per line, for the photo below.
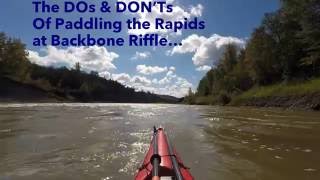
162 161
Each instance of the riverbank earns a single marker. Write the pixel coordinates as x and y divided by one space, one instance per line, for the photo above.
304 95
13 91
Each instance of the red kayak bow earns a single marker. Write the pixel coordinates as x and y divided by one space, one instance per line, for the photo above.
162 161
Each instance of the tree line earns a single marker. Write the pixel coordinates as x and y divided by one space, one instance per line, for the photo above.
64 83
284 48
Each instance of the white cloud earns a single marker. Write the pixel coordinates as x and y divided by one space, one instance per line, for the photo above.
170 84
189 44
140 80
207 51
141 55
196 10
204 68
150 70
122 78
172 68
105 74
168 52
93 58
178 14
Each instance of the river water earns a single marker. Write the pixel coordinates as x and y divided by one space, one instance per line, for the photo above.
108 141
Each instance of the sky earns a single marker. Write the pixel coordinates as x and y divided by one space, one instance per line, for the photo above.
162 70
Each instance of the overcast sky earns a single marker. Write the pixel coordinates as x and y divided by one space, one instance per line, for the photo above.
165 70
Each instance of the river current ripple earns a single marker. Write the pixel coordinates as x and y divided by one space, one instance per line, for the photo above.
109 141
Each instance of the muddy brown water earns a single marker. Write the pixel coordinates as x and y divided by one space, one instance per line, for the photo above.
108 141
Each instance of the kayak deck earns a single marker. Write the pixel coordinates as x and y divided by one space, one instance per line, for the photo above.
168 157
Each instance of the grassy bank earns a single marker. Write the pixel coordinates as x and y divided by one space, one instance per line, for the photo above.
279 90
304 95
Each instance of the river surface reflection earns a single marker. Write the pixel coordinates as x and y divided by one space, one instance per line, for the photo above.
108 141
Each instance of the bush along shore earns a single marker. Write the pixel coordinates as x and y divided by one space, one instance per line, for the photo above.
279 67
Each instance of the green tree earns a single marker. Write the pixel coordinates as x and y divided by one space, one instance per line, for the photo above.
2 45
229 57
305 16
77 67
310 35
13 57
262 58
240 74
203 88
190 98
94 73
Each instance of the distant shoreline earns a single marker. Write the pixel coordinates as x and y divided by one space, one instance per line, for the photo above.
16 92
283 96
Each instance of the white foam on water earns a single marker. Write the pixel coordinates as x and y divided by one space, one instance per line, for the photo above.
278 157
123 145
5 130
141 114
133 157
310 170
26 171
136 150
107 178
117 118
307 150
